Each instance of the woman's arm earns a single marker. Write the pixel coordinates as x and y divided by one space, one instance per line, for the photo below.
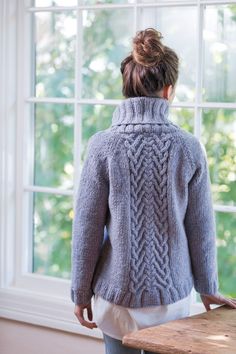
200 228
89 221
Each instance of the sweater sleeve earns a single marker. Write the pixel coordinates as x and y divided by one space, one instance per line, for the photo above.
200 228
91 206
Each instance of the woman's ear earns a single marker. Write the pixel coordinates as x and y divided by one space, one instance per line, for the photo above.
169 91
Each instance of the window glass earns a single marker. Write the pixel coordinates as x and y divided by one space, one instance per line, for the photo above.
54 54
52 229
183 117
42 3
53 139
219 137
172 23
94 118
226 243
161 1
97 2
106 41
45 3
219 70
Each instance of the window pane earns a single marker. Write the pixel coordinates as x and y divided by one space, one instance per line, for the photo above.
226 233
94 118
55 3
219 137
106 41
52 234
220 53
172 22
53 145
54 54
183 117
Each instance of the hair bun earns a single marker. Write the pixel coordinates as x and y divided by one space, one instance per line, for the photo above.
147 47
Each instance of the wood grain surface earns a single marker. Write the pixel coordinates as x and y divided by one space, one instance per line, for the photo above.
212 332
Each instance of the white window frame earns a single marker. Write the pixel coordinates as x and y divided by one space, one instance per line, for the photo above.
24 296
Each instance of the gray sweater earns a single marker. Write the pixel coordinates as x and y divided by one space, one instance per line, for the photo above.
144 229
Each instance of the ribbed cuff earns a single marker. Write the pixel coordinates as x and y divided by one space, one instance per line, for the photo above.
80 297
207 288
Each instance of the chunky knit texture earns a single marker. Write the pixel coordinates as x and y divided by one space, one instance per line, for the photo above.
144 226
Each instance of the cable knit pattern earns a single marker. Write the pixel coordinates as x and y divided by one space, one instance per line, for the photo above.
144 228
148 161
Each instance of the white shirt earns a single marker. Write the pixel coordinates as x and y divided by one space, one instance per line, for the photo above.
116 321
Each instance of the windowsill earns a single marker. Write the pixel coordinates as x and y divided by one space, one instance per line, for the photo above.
50 311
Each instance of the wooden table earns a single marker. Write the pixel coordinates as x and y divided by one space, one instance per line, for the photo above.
212 332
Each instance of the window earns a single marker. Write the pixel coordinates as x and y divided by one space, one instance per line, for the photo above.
69 82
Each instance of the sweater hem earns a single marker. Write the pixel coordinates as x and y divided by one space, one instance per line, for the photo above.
163 296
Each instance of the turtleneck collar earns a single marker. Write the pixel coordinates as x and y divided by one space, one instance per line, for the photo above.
141 110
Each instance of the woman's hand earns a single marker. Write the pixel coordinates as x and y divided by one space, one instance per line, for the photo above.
217 299
79 313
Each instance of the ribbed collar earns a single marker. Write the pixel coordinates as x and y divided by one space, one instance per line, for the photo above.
141 110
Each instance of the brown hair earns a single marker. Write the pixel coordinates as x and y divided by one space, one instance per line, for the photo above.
150 66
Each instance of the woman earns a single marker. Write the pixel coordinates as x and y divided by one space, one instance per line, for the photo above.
145 182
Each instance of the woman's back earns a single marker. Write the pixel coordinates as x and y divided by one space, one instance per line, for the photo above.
147 180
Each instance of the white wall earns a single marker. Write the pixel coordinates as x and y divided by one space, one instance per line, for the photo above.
23 338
